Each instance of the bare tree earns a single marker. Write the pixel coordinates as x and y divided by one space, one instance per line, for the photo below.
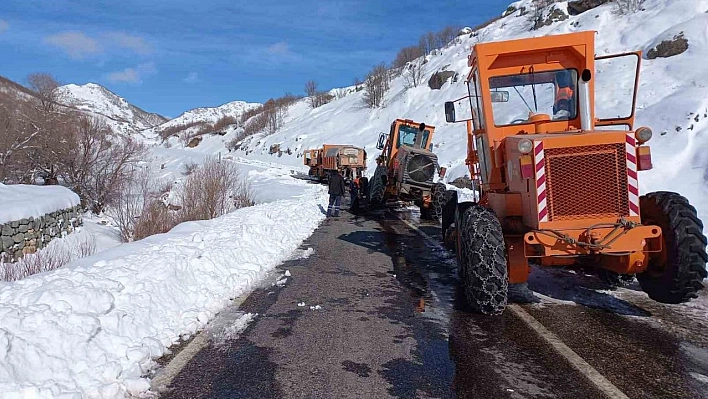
100 163
376 85
406 55
18 136
446 35
413 75
311 91
45 88
538 12
131 201
625 7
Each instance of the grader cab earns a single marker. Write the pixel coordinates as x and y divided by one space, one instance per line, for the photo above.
406 167
554 158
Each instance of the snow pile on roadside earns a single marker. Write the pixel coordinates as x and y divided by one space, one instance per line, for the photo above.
90 330
21 201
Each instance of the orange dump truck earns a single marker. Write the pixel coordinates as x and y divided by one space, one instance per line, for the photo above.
348 159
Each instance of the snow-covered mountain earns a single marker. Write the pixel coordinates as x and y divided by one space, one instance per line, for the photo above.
120 114
210 114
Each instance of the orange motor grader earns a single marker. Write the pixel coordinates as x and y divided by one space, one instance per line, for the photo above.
554 158
406 168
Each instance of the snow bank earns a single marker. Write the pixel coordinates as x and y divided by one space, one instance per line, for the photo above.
21 201
90 330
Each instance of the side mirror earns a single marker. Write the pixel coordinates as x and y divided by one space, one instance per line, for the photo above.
381 142
430 147
450 111
500 96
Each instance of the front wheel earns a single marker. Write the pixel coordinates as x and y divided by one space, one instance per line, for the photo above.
376 186
437 200
676 274
481 257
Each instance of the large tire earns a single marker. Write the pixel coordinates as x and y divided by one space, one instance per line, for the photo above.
437 200
481 257
677 276
376 186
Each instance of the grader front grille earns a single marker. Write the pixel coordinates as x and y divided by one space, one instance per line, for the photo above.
586 182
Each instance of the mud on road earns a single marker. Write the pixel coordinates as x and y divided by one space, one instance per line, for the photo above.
383 317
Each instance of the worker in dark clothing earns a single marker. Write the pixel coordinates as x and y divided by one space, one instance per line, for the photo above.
336 192
354 194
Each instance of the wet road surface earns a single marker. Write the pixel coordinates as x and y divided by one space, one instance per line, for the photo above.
391 322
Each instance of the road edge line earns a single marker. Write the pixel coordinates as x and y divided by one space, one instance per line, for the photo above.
167 373
564 350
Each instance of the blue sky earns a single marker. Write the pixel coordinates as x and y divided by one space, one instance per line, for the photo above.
171 56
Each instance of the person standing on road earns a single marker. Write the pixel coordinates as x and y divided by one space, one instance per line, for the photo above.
336 192
354 194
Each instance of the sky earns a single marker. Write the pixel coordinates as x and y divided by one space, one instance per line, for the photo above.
171 56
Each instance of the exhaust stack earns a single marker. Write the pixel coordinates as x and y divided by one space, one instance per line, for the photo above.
586 122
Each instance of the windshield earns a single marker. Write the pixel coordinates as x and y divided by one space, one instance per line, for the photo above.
553 93
406 136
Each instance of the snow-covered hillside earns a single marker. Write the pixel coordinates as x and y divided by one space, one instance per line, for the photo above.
672 95
120 114
210 114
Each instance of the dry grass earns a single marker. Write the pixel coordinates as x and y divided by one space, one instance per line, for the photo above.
51 258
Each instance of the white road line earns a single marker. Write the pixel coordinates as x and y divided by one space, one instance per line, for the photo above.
428 238
164 377
575 360
602 383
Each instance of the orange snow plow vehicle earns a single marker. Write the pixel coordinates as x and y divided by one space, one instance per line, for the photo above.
554 157
348 159
406 168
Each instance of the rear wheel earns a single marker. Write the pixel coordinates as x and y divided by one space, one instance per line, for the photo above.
376 186
448 215
676 274
481 257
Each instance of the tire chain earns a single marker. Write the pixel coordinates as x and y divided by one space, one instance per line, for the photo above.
484 268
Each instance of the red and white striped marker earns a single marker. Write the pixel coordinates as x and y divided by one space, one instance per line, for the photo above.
540 164
632 184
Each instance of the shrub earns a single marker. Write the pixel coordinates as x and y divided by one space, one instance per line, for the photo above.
214 190
628 6
224 122
156 218
175 130
50 258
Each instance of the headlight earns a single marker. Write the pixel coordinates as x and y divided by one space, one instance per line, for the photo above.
525 146
643 134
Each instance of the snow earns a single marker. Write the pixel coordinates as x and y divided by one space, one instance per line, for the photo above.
210 114
115 110
21 201
93 328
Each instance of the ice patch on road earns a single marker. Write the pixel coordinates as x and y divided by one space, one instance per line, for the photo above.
302 253
228 326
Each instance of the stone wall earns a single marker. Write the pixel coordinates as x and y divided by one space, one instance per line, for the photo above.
26 236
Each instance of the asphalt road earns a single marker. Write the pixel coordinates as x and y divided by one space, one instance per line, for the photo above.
391 323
